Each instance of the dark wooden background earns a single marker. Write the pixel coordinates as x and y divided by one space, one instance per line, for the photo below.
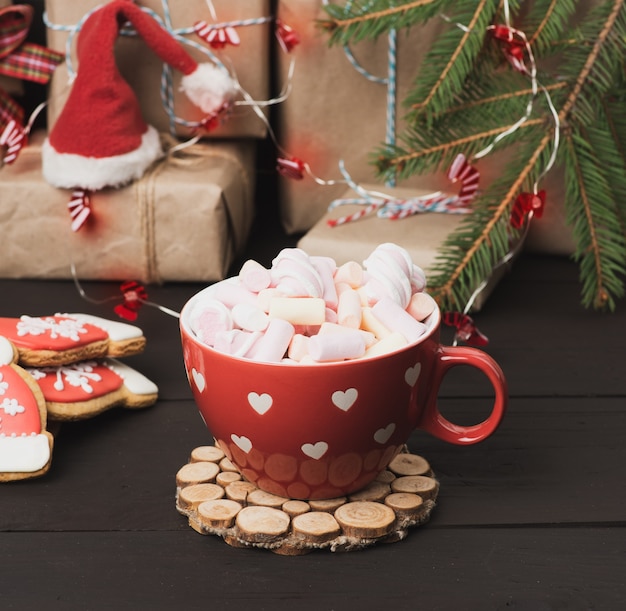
533 518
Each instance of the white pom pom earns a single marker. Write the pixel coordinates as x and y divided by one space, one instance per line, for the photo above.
208 87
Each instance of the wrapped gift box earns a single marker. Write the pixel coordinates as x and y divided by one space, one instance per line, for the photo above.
249 61
185 220
422 235
334 113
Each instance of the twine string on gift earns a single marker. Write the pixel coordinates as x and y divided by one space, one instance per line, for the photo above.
145 194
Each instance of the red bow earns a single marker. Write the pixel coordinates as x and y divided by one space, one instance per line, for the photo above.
514 48
291 168
215 119
134 297
524 204
287 37
466 330
217 37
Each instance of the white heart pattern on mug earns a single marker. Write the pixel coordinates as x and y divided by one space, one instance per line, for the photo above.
315 450
198 379
243 443
344 399
412 373
260 403
383 435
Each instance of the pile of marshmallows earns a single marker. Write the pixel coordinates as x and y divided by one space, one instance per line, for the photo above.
307 309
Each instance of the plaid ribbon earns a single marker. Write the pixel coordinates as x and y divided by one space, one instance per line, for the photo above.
21 59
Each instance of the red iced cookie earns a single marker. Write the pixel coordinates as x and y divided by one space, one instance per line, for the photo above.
85 389
25 445
68 338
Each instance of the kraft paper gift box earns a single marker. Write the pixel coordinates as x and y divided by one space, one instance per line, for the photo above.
249 62
422 235
334 113
184 220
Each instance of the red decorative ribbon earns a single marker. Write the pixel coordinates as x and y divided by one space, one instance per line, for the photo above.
217 37
466 330
134 297
514 46
215 119
22 60
291 168
524 205
287 37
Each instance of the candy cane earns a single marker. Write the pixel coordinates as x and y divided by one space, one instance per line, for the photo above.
80 208
14 138
348 218
462 170
217 36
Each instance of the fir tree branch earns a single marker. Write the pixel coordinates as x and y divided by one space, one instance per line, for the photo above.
601 245
499 212
454 57
337 23
591 58
480 137
542 25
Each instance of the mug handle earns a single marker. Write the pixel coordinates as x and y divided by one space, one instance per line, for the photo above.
436 424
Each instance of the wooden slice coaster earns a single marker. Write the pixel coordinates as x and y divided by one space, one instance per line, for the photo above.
218 501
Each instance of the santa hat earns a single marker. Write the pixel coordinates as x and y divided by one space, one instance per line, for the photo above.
100 138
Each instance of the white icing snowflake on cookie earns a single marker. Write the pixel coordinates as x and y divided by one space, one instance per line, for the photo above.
78 375
3 386
66 327
11 407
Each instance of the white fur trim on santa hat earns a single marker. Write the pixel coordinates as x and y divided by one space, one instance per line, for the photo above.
208 87
71 171
24 454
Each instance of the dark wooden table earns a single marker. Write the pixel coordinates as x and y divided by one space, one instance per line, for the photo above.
533 518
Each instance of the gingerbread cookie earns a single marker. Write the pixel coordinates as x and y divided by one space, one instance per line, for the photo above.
25 445
88 388
68 338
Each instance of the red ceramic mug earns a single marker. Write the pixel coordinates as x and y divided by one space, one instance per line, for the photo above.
328 429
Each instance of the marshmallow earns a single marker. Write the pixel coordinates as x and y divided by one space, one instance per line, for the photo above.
298 347
293 273
370 323
351 273
249 317
264 297
230 293
307 309
272 346
326 267
236 342
298 311
349 309
209 317
329 327
421 306
337 346
389 270
393 341
254 276
395 318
